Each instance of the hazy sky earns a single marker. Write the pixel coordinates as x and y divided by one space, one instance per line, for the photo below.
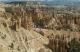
26 0
37 0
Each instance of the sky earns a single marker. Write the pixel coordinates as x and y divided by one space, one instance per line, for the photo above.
26 0
37 0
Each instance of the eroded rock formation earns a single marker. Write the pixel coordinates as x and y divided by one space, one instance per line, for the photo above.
41 29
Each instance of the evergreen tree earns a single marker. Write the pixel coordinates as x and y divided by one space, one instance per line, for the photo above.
74 46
